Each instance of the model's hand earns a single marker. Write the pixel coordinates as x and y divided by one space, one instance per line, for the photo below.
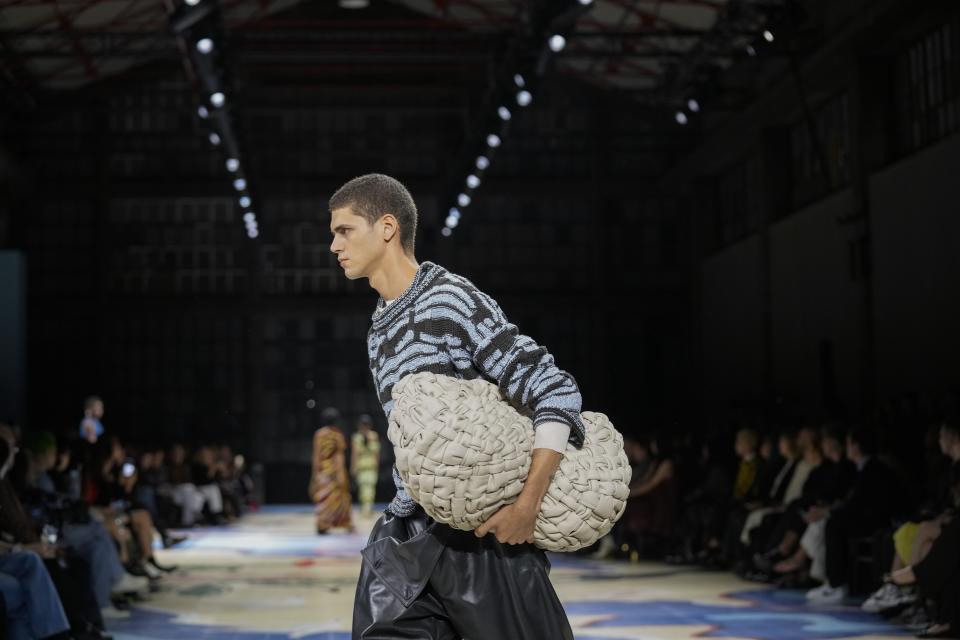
512 524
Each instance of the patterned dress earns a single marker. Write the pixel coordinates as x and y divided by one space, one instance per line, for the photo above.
367 457
329 488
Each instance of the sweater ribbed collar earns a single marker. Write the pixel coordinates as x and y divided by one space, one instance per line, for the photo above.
383 315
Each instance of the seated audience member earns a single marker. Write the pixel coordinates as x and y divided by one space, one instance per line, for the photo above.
722 541
207 474
81 536
652 503
153 474
937 577
638 453
742 521
33 607
703 502
869 506
829 483
71 579
119 480
230 483
184 492
762 519
913 541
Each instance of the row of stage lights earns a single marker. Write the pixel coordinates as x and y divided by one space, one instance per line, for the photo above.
693 106
523 97
213 112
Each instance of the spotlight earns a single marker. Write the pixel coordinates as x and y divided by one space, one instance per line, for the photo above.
203 112
680 117
518 80
483 162
192 3
232 165
557 43
311 403
249 217
244 201
354 4
768 35
217 99
452 222
239 184
253 233
524 98
693 105
463 200
493 140
204 45
473 181
751 51
214 138
586 3
454 213
446 231
504 113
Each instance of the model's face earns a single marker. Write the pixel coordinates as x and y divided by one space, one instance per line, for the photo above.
97 410
358 245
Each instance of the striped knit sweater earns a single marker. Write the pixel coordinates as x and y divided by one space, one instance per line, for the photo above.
443 324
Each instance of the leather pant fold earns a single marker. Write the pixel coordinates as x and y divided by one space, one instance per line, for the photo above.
423 580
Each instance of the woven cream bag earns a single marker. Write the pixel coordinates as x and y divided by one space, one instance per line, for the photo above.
463 452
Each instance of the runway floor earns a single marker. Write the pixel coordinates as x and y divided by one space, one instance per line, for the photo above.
269 578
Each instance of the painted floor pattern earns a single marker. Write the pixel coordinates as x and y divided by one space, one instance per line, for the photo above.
269 578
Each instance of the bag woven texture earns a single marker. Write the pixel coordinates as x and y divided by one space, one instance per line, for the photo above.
463 452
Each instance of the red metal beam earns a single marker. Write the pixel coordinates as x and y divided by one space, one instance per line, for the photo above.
64 23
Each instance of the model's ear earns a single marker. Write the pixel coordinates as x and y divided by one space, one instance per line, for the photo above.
390 227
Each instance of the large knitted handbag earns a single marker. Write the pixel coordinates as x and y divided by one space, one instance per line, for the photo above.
463 452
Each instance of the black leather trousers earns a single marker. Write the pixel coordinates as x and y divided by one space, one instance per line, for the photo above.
423 580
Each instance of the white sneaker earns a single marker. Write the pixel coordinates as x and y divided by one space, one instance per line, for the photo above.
152 572
825 594
130 583
112 613
888 596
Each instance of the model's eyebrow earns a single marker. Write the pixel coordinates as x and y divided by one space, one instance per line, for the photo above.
339 228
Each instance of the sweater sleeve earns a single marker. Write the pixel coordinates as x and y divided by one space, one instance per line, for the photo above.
477 330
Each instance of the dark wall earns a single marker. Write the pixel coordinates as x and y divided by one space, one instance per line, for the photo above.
831 291
13 333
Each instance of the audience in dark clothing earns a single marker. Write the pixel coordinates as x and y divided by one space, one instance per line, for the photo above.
824 508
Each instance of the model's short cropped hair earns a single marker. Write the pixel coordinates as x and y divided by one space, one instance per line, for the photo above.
374 195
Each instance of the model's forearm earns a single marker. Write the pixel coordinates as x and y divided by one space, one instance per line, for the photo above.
544 464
